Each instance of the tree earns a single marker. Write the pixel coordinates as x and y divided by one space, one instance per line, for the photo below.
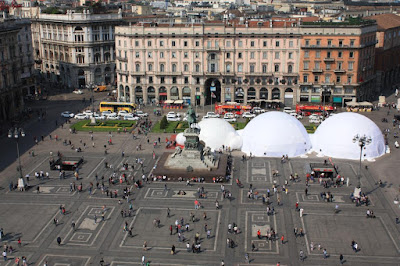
163 123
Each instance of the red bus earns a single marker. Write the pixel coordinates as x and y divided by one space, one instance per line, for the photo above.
231 107
307 110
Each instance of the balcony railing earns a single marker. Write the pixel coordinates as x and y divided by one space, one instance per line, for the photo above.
317 70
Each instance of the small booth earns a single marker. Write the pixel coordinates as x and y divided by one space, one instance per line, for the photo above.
66 163
323 170
359 106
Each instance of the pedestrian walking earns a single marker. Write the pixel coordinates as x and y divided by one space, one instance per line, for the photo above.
143 260
168 212
301 254
306 191
173 250
19 242
325 253
253 247
341 258
59 240
4 255
247 258
283 239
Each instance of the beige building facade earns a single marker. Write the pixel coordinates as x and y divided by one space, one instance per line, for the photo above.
241 61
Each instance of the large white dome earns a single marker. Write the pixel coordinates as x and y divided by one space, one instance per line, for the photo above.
334 137
216 132
274 134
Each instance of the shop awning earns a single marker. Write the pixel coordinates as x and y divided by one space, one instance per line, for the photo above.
178 102
169 101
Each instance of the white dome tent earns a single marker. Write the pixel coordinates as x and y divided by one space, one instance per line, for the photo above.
274 134
215 132
334 137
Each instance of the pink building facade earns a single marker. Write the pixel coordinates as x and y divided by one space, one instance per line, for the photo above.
245 62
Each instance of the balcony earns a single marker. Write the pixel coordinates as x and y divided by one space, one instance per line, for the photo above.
123 72
201 73
230 73
255 74
138 73
339 71
317 70
213 49
176 73
122 59
329 59
207 73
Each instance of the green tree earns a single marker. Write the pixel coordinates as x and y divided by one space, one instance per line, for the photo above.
163 123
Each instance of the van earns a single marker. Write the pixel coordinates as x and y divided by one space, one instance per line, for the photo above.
100 88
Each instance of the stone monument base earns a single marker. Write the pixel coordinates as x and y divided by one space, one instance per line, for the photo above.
173 173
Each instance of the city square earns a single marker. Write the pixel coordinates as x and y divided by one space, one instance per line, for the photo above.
121 231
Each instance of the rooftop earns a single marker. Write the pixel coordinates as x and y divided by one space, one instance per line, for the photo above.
386 21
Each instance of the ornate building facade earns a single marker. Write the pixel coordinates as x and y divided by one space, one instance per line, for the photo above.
75 49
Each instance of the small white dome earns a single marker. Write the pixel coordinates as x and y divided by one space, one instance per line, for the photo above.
275 134
334 137
216 132
180 139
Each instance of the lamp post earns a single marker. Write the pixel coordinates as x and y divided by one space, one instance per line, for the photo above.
362 142
90 86
16 133
324 91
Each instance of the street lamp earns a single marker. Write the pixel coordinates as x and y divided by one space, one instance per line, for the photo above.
324 93
362 142
16 133
90 86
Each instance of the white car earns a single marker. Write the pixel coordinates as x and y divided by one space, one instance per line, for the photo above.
67 114
248 115
131 117
88 112
171 117
112 117
81 116
78 92
298 116
287 110
258 110
229 117
141 113
123 113
211 115
99 117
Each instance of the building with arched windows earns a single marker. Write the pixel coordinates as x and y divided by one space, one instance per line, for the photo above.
75 49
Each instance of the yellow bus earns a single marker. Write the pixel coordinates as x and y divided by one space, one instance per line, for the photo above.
117 106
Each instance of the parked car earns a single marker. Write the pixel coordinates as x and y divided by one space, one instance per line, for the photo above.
298 116
112 117
171 116
141 113
78 92
99 117
288 110
229 117
67 114
131 117
80 116
123 113
248 115
88 112
258 110
211 115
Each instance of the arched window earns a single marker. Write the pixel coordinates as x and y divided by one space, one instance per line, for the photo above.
150 67
173 68
251 94
186 67
174 93
264 94
197 68
162 67
290 69
137 67
151 90
138 89
276 94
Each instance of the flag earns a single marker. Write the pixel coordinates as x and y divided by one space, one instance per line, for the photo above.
213 95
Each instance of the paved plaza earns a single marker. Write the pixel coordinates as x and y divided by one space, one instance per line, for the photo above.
29 215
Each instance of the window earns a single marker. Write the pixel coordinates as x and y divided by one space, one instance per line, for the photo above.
265 43
265 55
306 54
340 54
351 54
304 90
277 55
198 82
186 67
317 65
137 67
329 42
351 43
252 43
328 54
240 44
337 90
137 55
212 56
173 43
316 79
161 54
252 55
161 43
228 55
339 65
318 54
338 79
197 55
240 55
276 43
228 43
174 80
162 80
318 43
305 78
348 90
290 68
197 43
240 67
173 67
276 67
228 68
264 68
150 67
162 67
290 43
137 80
197 68
186 80
306 65
340 43
349 78
149 43
185 55
307 43
328 66
351 65
136 43
327 78
252 67
150 80
173 54
290 55
149 54
185 43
